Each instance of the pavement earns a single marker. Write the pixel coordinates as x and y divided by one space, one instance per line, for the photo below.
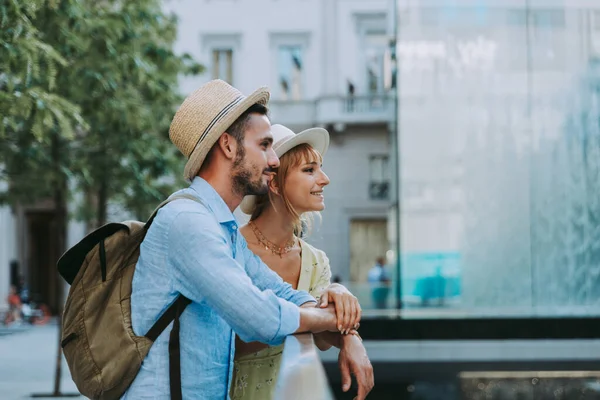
28 360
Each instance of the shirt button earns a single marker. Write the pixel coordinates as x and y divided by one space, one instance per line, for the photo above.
234 227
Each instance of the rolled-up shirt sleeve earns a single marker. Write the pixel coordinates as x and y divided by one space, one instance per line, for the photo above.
204 270
265 278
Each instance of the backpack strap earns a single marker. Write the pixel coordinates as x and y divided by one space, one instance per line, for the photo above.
168 316
172 314
174 351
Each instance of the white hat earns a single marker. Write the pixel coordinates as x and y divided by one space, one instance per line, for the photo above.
205 115
284 139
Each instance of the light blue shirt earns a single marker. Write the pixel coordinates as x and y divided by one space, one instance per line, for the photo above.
196 250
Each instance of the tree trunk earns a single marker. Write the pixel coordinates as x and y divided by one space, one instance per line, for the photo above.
61 240
103 189
102 203
60 195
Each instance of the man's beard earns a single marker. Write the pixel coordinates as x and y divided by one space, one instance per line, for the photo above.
242 177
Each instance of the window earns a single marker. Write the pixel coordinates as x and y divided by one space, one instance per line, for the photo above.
220 51
375 56
290 52
379 185
376 51
222 64
290 72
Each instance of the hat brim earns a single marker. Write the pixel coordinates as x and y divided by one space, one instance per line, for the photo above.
317 138
192 167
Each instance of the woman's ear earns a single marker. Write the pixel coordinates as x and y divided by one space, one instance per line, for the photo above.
274 187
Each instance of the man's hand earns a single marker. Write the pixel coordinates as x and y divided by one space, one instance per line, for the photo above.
353 359
347 308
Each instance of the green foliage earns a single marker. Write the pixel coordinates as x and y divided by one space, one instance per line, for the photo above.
114 59
33 112
28 69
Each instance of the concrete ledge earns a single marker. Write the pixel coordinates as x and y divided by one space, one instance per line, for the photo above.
477 351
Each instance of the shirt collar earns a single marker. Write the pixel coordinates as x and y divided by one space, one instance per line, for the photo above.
214 201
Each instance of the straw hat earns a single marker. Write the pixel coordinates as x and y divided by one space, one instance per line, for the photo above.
205 115
284 139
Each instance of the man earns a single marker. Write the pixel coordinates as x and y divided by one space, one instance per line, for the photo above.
193 248
380 283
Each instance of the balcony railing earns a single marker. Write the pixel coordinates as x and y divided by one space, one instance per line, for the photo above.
334 109
355 109
301 375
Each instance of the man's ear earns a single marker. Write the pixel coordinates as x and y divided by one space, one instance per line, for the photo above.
228 145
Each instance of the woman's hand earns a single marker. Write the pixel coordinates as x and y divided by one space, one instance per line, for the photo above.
353 360
347 308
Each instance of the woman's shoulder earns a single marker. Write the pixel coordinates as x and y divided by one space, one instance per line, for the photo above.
320 270
318 255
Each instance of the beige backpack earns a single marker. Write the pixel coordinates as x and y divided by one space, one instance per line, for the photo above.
102 351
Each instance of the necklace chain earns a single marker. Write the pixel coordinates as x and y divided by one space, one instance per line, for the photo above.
275 249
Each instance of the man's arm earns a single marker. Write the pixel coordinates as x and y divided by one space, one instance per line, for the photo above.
205 271
311 320
317 320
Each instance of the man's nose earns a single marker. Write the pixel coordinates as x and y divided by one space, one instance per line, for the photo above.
272 159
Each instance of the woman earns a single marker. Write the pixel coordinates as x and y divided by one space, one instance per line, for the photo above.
274 234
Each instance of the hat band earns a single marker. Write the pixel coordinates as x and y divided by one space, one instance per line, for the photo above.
217 118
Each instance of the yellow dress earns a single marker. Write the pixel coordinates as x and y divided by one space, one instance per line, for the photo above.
255 374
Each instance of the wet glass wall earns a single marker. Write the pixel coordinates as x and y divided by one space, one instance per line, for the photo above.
498 131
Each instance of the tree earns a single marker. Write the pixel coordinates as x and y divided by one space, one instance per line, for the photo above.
34 114
127 91
114 59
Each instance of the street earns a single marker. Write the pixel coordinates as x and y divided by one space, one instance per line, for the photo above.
27 362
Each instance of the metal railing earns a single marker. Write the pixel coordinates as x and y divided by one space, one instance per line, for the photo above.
301 375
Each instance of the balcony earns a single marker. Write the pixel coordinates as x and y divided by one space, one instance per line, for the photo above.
355 110
371 109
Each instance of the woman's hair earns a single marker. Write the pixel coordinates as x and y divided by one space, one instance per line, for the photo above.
301 154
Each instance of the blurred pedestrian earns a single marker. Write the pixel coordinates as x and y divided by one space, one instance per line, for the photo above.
14 307
380 283
351 91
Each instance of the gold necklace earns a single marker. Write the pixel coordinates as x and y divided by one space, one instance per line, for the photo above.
275 249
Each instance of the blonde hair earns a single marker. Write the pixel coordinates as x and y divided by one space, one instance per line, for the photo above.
303 153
